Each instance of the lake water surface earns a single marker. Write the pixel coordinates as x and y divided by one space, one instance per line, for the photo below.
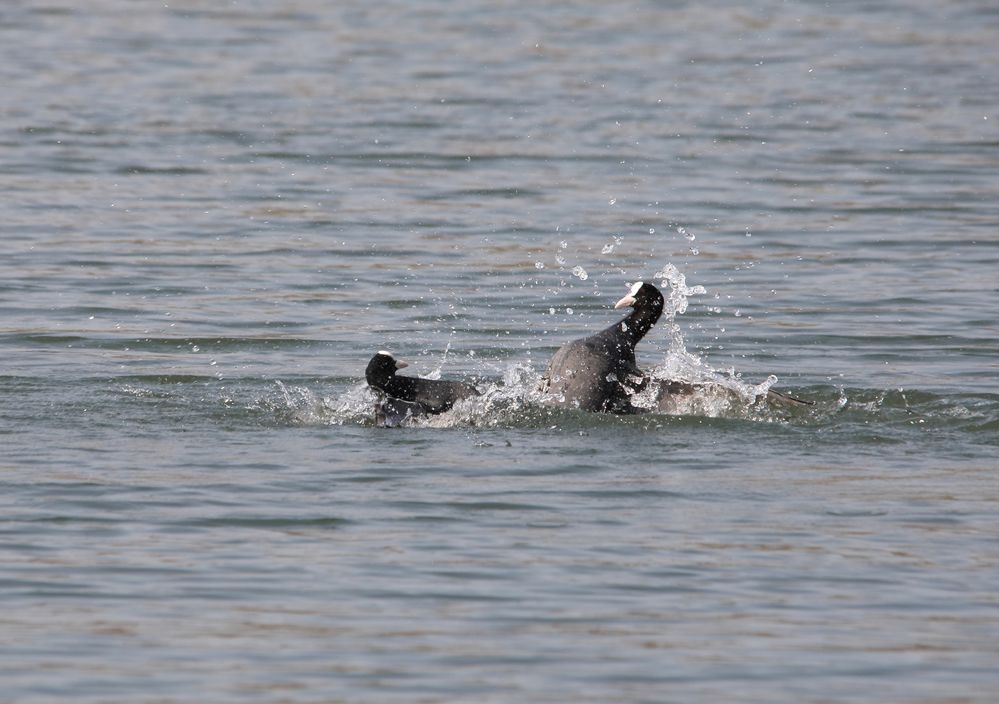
214 213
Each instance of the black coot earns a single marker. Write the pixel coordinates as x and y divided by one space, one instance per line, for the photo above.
595 372
406 396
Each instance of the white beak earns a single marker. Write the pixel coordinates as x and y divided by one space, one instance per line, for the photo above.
629 300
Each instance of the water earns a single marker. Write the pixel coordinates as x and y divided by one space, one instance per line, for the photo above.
213 214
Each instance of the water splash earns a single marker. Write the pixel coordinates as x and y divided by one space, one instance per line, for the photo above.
689 236
610 246
299 405
512 400
679 383
683 383
435 373
676 294
679 292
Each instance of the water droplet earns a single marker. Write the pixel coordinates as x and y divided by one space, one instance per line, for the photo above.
612 201
568 311
608 248
539 265
580 272
551 311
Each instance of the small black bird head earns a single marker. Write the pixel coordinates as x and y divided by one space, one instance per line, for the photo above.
647 305
641 295
382 368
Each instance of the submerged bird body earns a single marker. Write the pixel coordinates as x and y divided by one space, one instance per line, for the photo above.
671 395
598 373
407 396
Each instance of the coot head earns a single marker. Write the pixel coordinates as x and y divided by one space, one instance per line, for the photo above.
641 295
381 368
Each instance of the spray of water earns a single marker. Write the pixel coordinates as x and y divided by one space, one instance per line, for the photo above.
515 399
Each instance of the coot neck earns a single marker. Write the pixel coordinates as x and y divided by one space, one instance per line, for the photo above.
636 324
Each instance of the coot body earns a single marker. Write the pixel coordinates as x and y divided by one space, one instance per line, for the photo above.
405 397
598 373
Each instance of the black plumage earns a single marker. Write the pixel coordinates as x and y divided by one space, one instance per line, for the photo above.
406 396
599 373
